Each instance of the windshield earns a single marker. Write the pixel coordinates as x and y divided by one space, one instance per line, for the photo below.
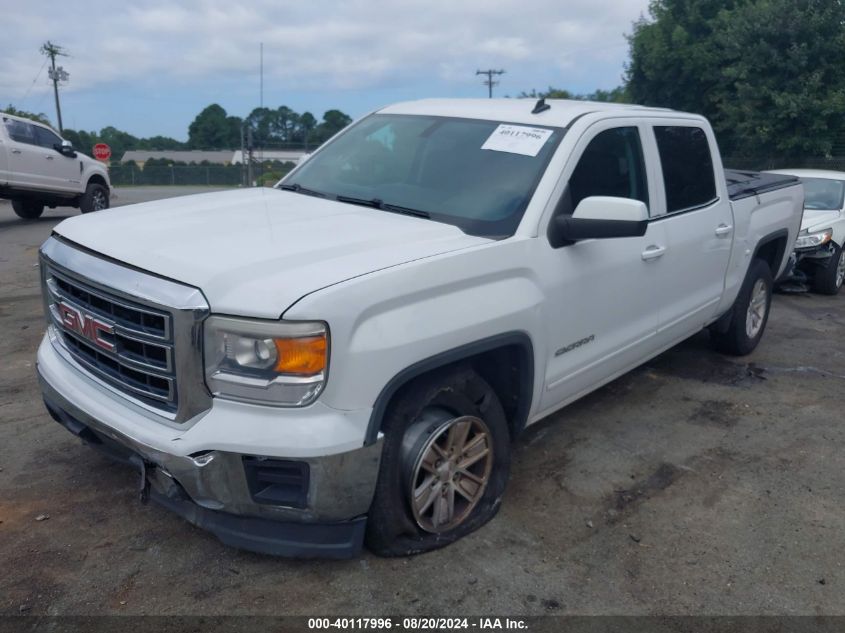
477 175
823 194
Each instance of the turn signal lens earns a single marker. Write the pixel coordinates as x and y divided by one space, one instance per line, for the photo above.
302 356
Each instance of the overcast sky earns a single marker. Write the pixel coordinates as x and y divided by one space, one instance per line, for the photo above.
150 67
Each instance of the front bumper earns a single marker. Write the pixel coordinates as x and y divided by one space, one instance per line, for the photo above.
209 488
803 265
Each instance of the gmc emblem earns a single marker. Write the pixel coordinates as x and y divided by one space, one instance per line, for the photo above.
86 325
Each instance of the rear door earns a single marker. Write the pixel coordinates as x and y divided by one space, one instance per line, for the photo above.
696 215
59 172
25 156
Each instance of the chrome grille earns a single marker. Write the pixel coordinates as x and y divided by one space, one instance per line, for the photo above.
141 358
137 334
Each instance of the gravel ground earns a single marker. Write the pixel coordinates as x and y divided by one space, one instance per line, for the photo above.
696 484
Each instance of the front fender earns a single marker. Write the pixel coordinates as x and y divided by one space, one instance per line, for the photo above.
387 321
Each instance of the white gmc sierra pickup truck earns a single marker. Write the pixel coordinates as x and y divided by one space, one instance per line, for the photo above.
38 168
348 356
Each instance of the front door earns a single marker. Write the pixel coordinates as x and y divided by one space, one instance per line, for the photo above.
601 316
61 173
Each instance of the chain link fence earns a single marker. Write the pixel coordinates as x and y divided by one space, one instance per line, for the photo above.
130 174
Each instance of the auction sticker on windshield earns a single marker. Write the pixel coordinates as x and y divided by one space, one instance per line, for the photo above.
517 139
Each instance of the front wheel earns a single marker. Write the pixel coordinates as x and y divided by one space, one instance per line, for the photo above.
750 313
28 209
444 467
829 278
95 198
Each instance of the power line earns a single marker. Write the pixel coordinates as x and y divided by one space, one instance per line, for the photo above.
28 90
489 81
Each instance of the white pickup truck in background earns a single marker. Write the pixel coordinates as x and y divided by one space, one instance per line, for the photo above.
38 168
349 355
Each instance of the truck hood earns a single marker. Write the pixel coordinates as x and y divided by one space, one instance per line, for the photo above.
255 252
815 218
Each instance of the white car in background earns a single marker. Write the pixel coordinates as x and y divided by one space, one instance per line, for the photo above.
819 258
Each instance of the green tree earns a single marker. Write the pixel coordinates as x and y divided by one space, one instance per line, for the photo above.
767 73
118 140
40 117
160 143
305 130
284 124
616 95
84 141
262 122
333 122
214 129
550 93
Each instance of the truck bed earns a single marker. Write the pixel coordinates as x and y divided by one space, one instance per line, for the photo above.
744 184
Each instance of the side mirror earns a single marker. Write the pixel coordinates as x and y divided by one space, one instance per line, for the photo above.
65 148
600 217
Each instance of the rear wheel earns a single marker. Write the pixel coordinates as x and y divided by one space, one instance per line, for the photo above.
28 209
749 314
444 467
829 278
95 198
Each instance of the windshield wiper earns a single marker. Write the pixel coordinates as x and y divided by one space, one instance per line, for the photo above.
296 187
378 203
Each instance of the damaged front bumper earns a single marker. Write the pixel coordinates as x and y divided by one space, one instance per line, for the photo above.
298 507
802 266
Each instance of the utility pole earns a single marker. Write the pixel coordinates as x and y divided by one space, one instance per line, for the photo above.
261 74
489 81
244 181
249 159
56 74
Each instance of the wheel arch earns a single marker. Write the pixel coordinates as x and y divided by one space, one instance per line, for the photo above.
97 179
771 249
505 361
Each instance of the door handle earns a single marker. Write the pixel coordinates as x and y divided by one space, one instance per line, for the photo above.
16 151
724 229
49 157
653 252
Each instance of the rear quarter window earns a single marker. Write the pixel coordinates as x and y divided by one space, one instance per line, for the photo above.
687 167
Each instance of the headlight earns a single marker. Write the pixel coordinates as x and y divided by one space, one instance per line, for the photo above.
811 240
266 362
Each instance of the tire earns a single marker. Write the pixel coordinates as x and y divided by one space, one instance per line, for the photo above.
429 414
28 209
95 198
748 320
828 279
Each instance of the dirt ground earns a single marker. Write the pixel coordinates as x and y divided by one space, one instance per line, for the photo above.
696 484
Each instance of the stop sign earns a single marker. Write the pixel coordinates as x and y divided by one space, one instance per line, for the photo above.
102 151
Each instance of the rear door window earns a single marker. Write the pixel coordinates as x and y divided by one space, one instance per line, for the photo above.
20 131
687 167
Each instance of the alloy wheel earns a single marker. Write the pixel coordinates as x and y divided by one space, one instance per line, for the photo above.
99 201
451 474
757 307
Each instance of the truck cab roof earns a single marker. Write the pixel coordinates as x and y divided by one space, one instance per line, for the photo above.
561 113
